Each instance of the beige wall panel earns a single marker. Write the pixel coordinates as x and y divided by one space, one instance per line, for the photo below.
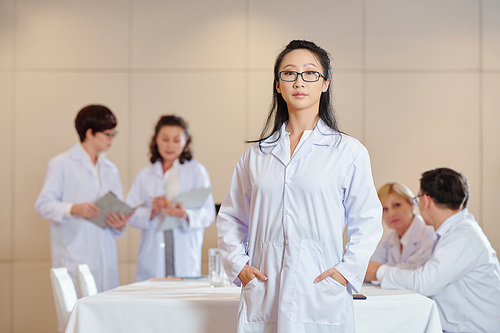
423 34
34 308
135 239
334 25
72 34
416 122
188 34
6 34
260 96
132 268
347 91
5 297
47 105
213 105
6 133
209 241
491 34
123 242
127 273
491 158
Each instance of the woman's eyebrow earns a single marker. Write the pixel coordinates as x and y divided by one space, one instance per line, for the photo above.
295 66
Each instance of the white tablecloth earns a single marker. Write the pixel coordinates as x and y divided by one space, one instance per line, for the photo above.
192 306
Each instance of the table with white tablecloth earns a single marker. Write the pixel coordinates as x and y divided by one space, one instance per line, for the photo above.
192 306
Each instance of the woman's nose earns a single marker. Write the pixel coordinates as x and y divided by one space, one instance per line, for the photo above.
299 82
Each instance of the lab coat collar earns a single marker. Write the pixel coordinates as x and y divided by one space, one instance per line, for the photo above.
452 221
87 156
157 169
322 135
77 152
405 239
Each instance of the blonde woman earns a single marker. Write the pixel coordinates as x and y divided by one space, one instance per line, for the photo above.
409 232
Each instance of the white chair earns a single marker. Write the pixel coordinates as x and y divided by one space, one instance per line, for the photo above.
85 281
64 295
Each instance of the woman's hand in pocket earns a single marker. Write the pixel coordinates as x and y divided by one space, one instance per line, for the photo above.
334 274
248 273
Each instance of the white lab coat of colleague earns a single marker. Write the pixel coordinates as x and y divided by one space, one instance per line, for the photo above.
462 276
75 240
188 239
416 236
286 217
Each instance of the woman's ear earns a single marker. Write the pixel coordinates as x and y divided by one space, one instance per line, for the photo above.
278 86
326 84
89 134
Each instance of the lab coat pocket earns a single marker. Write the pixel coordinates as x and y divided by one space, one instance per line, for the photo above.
323 302
259 299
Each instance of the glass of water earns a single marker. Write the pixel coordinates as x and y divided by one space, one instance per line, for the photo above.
215 270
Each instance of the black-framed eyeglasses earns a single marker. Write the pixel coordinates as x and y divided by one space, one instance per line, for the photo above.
307 76
110 135
416 199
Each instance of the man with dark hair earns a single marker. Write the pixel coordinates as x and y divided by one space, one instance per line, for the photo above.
75 179
462 274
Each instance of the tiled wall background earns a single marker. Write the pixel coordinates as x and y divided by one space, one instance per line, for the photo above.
416 81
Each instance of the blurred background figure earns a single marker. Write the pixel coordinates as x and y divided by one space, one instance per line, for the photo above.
173 170
409 231
462 274
74 180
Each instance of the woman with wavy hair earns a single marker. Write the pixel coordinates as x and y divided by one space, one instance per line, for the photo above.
177 251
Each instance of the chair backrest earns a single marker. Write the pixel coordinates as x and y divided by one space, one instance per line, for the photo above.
85 281
64 295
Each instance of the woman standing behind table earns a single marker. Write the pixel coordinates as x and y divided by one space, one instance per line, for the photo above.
409 233
75 179
173 171
292 193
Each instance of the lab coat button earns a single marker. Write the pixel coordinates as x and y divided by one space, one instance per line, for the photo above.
286 241
286 211
288 181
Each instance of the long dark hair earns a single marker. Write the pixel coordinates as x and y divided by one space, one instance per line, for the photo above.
278 113
171 120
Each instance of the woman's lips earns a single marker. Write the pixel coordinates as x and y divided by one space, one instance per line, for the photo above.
299 95
394 221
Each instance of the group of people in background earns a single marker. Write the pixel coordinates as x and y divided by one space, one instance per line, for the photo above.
78 177
280 226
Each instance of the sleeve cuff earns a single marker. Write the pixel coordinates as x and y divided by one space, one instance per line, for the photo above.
67 210
381 272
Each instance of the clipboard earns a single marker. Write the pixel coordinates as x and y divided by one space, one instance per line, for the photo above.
109 203
193 199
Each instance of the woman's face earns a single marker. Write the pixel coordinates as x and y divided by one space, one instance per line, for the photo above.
397 213
100 141
171 141
301 96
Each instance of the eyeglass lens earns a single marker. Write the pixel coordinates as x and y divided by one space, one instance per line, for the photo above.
308 76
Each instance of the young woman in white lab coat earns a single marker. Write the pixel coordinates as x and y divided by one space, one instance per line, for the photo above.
173 171
292 193
409 234
75 179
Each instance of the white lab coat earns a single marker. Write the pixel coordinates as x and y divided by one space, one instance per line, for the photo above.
75 240
462 276
286 218
388 251
188 239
